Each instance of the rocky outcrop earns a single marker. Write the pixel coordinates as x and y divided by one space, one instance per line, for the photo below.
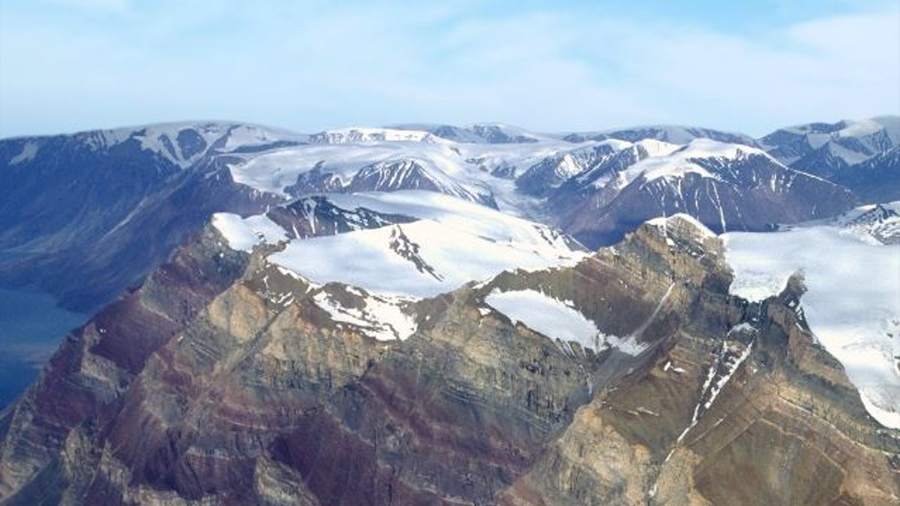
255 394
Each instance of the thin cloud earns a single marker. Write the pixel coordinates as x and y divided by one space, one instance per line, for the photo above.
316 65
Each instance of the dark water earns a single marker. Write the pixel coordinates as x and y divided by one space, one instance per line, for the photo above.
31 326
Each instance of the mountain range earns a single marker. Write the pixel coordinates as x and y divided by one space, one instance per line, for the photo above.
436 314
71 205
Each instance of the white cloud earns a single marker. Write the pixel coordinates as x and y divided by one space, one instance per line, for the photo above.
311 65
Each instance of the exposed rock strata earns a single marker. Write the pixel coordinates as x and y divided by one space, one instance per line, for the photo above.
210 386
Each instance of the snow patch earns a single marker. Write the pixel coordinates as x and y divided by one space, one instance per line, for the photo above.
548 316
381 318
453 242
243 234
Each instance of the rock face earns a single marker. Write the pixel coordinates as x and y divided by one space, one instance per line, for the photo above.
222 381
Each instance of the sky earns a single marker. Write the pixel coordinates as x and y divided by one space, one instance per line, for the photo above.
748 66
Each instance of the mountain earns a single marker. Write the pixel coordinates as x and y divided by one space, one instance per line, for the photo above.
550 173
434 243
247 371
725 186
363 135
480 133
84 216
876 179
673 134
872 223
824 149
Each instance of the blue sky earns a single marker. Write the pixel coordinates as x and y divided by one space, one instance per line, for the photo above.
751 66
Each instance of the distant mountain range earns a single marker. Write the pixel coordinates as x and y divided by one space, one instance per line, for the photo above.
108 206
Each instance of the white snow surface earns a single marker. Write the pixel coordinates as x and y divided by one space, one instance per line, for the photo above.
460 215
243 234
548 316
656 147
860 128
254 135
454 241
852 304
849 156
452 257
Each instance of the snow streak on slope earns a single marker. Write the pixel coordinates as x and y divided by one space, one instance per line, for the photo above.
852 304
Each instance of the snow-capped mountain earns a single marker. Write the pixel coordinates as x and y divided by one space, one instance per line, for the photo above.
725 186
876 179
391 249
550 173
89 214
481 133
871 224
183 144
826 148
367 135
576 180
674 134
230 376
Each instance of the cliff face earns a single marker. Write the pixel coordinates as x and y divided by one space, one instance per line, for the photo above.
224 381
